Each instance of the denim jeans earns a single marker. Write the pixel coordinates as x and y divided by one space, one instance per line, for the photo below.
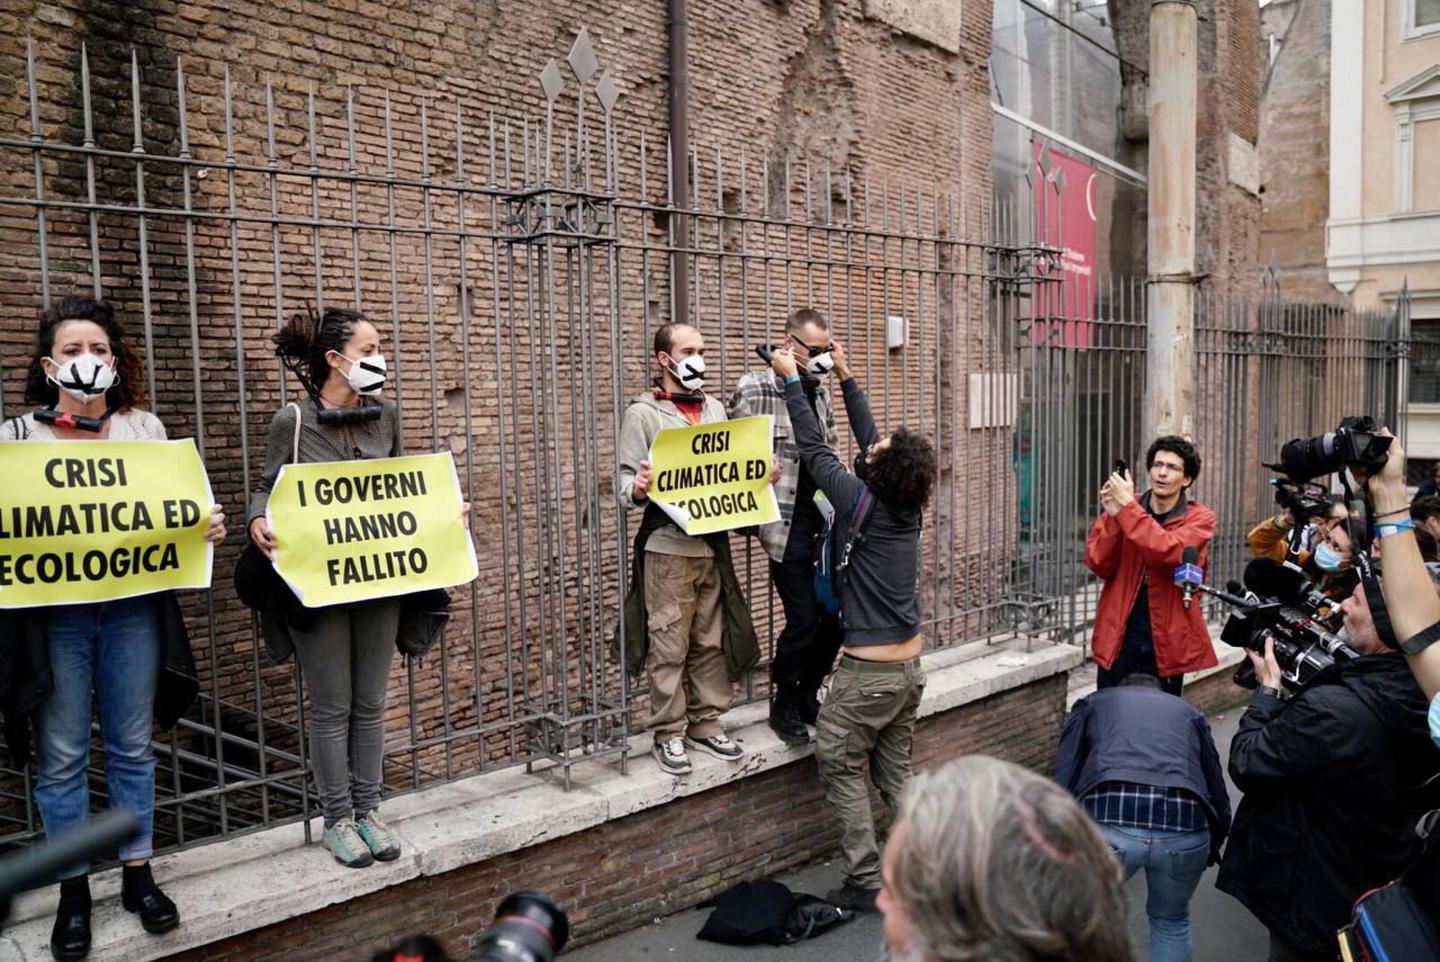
1173 863
113 650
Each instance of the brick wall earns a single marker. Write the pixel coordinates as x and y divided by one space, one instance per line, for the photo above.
1295 148
1230 71
622 874
809 80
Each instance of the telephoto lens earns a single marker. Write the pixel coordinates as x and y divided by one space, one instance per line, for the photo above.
528 927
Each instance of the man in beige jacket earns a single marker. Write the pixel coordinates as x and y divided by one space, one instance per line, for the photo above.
689 683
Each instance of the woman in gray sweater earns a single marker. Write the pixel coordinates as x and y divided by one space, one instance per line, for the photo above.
345 654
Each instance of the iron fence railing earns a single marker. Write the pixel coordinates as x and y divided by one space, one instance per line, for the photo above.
518 268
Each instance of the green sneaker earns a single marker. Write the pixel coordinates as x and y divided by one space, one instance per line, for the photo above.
378 838
345 843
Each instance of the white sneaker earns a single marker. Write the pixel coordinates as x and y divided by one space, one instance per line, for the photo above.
718 745
671 755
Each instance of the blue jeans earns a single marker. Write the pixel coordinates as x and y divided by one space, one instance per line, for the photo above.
1173 863
112 649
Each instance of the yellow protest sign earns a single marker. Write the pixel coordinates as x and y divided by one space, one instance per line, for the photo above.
86 521
714 477
348 531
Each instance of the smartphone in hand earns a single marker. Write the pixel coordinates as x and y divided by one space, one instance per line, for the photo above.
765 352
1122 467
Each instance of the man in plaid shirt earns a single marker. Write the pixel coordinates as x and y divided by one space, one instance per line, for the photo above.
1143 763
806 648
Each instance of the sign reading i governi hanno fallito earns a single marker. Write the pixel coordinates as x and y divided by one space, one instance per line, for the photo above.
348 531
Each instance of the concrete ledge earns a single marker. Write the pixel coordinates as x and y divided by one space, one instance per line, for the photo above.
229 888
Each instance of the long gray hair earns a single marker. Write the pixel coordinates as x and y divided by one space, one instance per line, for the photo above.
995 864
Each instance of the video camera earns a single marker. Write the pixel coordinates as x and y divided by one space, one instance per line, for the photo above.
1280 604
1303 499
1357 442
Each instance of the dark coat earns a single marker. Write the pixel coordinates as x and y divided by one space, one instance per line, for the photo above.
1148 737
738 641
26 681
1333 781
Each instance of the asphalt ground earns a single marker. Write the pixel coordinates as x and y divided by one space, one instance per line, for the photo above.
1224 931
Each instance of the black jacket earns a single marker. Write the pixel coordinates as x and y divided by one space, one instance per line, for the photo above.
1148 737
26 681
879 593
1334 784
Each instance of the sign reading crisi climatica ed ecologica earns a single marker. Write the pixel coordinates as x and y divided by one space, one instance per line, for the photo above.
714 477
349 531
88 521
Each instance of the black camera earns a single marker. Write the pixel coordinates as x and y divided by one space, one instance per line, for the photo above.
1303 499
1356 443
528 927
1283 607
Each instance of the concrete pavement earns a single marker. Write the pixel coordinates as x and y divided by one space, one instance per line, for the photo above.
1224 931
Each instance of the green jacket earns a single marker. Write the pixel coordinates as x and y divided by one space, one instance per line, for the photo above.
737 640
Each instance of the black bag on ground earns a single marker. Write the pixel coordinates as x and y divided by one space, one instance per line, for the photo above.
768 913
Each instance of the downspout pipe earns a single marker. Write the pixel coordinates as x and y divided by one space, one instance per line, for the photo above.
679 157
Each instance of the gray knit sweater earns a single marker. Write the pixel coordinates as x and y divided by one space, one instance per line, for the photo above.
323 442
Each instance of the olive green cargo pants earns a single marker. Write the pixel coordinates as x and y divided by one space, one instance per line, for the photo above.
867 723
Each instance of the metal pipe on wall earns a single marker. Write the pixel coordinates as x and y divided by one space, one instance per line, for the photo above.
679 154
1170 373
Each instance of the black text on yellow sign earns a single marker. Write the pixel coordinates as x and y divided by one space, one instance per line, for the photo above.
713 477
350 531
88 521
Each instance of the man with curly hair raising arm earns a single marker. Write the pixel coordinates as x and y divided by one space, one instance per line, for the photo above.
867 718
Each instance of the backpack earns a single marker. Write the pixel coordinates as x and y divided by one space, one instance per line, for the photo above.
830 563
768 913
1399 922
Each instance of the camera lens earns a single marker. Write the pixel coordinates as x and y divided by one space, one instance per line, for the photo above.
528 927
1306 458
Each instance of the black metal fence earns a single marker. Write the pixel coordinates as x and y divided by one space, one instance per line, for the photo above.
518 267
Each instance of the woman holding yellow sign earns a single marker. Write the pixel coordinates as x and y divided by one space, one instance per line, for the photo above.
90 384
345 651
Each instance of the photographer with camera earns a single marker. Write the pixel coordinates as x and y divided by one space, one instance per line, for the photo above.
1145 622
1413 610
1332 776
1276 537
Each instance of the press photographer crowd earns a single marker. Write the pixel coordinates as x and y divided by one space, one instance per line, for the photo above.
352 545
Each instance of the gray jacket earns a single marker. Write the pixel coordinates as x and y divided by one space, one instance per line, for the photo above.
646 417
323 442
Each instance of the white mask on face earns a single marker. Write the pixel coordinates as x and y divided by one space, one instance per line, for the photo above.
84 377
820 364
690 372
366 374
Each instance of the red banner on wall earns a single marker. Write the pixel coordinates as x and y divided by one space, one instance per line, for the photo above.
1065 219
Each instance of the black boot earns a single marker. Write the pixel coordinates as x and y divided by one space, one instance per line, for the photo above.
139 893
785 717
70 939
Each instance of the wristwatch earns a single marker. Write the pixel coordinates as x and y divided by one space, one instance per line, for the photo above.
1270 690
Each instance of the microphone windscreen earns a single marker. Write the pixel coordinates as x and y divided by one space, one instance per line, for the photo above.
1234 587
1266 577
1190 556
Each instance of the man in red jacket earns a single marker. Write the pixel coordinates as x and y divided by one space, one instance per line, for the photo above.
1142 624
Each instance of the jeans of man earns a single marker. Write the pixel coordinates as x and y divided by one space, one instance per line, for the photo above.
113 650
1173 863
805 650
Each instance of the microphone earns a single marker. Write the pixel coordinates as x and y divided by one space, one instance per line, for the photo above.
1285 582
1189 577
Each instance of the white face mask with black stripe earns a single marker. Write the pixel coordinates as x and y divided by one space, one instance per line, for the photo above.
84 377
366 374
